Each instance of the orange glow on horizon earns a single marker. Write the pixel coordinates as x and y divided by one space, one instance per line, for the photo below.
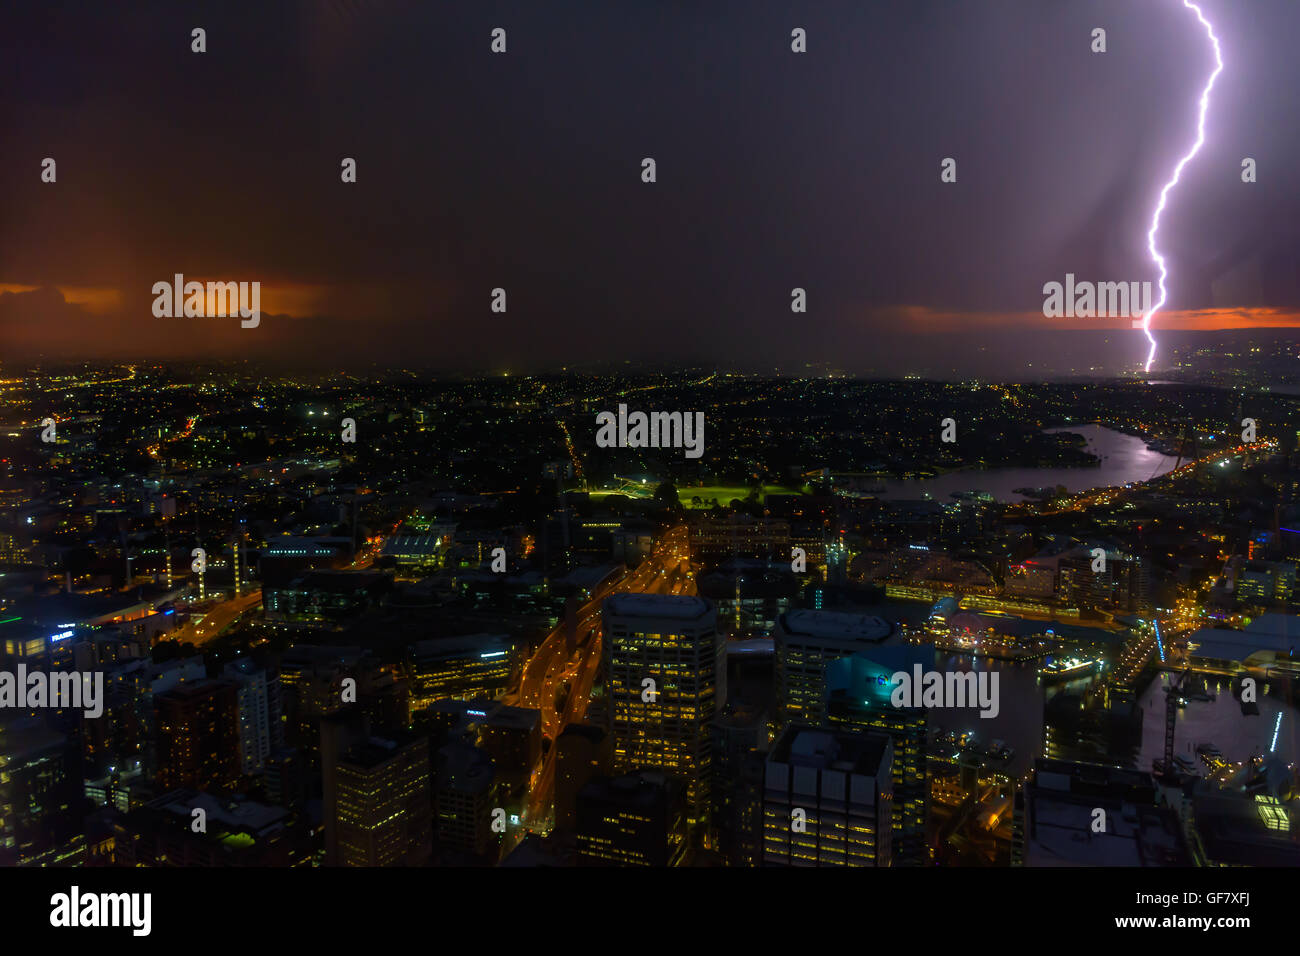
1202 320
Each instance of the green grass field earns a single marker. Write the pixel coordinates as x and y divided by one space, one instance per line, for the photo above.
724 493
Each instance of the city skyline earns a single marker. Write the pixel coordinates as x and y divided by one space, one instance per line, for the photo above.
654 435
399 620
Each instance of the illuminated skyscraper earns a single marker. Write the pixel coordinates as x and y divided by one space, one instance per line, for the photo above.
638 819
257 697
464 667
36 784
664 675
858 692
804 642
198 736
828 799
384 805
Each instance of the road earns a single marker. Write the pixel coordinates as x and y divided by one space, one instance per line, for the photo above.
216 620
666 571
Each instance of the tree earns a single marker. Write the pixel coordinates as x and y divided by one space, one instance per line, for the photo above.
666 494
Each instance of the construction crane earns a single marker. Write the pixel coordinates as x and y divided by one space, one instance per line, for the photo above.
1172 694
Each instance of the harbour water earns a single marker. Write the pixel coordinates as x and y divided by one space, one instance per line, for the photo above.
1219 722
1124 459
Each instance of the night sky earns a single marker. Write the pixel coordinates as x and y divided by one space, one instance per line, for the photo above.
523 171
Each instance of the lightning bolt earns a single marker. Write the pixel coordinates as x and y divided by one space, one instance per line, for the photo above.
1178 171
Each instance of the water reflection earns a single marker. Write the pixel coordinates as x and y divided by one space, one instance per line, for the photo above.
1075 712
1124 459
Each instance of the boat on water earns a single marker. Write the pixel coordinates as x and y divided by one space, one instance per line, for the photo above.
1069 668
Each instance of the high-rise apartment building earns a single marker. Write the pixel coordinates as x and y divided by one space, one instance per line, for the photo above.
198 736
257 699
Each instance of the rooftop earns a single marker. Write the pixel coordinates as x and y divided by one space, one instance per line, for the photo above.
1268 632
835 625
462 645
643 789
464 768
677 607
243 815
1060 805
857 753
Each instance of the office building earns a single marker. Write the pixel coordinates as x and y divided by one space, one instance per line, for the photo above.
828 799
325 599
740 536
740 746
1264 582
638 819
463 668
512 737
235 832
465 795
664 673
383 805
858 690
804 642
311 682
37 789
583 752
1079 814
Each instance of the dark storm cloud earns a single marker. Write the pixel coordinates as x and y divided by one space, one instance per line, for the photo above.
522 171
